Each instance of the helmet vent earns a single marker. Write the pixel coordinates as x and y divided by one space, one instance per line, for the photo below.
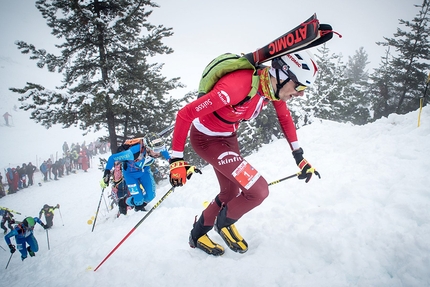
298 57
305 67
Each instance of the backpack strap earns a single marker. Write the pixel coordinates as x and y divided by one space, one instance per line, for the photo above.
20 229
254 88
224 120
222 65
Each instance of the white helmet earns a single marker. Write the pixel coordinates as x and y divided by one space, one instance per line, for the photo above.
300 67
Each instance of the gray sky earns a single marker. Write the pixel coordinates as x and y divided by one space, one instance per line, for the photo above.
205 29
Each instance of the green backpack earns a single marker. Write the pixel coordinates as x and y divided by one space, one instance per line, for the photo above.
224 64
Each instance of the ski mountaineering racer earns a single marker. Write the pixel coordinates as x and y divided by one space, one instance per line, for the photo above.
214 119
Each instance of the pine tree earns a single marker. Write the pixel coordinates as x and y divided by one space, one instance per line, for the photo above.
108 79
357 110
356 67
338 92
323 99
400 79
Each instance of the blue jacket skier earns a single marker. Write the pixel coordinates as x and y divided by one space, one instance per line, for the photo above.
136 155
23 233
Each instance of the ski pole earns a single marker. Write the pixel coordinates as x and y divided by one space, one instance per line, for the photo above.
422 100
61 216
135 227
282 179
97 212
107 208
9 260
47 238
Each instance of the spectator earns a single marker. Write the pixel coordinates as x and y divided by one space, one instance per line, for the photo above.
44 170
77 148
18 170
10 181
90 150
68 164
30 173
84 160
23 175
54 168
2 190
15 179
49 166
61 162
87 153
65 148
74 156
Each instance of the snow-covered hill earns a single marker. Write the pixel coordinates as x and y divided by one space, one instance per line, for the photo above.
366 222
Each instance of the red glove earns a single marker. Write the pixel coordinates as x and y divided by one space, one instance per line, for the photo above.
180 171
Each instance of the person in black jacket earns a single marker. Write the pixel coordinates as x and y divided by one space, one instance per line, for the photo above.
30 171
7 216
2 191
48 211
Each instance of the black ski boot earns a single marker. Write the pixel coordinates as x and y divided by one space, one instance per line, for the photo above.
30 252
140 207
228 232
199 239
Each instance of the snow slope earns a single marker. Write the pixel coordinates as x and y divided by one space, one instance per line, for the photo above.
364 223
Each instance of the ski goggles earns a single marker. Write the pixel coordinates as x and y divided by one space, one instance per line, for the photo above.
155 143
279 64
299 87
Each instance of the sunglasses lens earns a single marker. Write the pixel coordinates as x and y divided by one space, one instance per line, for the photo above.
300 87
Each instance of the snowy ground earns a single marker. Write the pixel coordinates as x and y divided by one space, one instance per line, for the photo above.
365 223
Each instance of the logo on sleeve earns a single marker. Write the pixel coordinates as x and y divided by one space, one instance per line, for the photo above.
203 105
224 97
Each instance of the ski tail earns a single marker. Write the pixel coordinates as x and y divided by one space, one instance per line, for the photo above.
308 34
325 33
10 210
166 130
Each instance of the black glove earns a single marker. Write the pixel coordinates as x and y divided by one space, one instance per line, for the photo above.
44 225
105 181
106 176
180 171
12 248
306 169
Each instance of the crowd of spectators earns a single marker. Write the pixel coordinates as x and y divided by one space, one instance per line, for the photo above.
76 157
